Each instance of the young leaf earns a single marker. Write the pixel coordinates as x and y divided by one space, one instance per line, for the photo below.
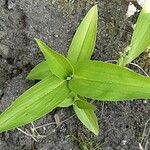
67 101
34 103
39 72
82 104
57 63
83 42
140 38
88 118
103 81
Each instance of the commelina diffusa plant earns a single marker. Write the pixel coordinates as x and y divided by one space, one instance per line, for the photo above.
68 81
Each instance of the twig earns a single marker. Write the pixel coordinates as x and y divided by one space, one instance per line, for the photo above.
140 146
34 129
111 60
103 105
139 68
45 125
28 134
53 123
64 121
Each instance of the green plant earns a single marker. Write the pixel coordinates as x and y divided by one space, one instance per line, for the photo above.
84 142
67 81
140 38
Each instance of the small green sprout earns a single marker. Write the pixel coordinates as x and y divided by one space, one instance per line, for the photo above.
68 81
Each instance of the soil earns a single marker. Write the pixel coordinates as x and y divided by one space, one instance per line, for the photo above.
55 21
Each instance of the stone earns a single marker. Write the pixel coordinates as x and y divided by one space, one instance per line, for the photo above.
4 51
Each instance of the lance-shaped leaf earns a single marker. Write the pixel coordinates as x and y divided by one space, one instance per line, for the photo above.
34 103
140 38
57 63
39 72
88 118
83 42
103 81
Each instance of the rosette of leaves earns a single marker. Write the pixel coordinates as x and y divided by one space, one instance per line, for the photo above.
69 81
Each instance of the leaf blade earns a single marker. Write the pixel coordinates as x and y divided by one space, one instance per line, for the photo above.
34 103
103 81
39 72
88 118
57 63
83 42
140 38
83 104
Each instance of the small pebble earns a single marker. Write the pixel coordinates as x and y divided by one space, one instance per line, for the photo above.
55 35
53 1
4 50
131 10
11 4
124 142
57 119
145 101
2 34
141 2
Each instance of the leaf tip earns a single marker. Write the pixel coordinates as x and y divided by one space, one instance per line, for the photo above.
94 9
96 130
38 41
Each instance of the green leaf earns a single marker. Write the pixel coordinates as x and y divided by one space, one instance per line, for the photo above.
103 81
140 38
83 42
83 104
68 101
57 63
82 45
88 118
34 103
39 72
